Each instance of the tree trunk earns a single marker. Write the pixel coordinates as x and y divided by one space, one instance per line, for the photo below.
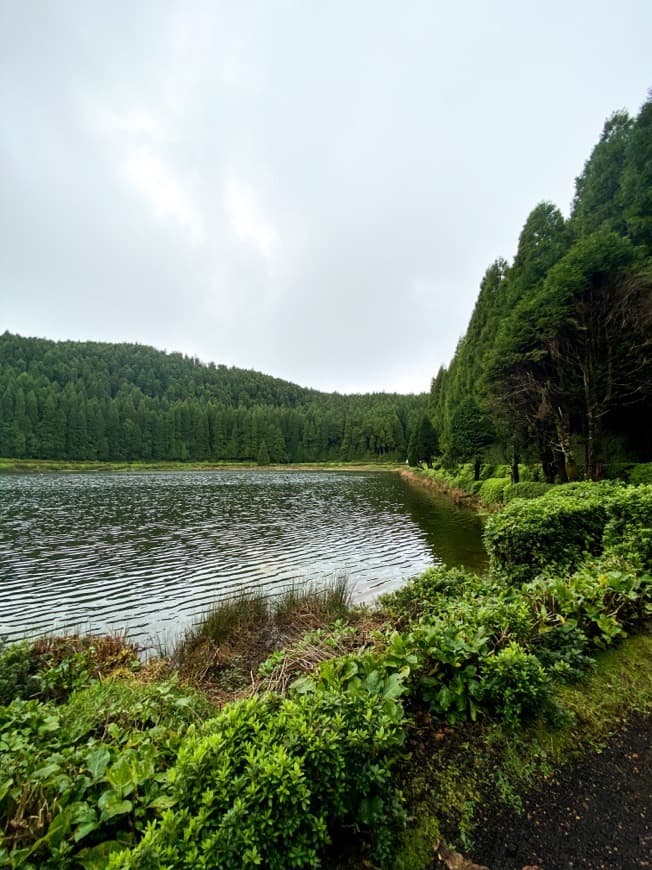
565 446
477 465
591 447
515 473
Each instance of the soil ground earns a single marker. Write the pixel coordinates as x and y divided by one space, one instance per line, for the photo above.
596 814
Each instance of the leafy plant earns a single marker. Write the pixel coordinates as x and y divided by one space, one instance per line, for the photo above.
269 780
514 684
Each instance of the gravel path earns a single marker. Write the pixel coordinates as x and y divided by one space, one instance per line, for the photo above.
596 814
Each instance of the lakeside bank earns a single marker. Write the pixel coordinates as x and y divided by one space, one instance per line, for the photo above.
452 700
78 467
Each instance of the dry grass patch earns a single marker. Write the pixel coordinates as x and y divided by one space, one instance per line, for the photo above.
221 654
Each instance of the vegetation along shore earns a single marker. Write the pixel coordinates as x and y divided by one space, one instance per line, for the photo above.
311 733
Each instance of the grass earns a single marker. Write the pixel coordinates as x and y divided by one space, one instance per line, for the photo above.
221 653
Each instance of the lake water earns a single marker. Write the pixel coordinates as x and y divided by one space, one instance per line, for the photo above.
150 552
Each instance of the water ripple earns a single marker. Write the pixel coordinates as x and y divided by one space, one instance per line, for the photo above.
147 552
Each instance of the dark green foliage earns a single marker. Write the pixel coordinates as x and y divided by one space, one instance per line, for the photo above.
263 454
514 684
472 645
598 190
470 431
92 401
18 675
424 443
51 668
602 599
559 529
563 650
568 523
557 351
525 489
84 777
628 532
641 473
636 182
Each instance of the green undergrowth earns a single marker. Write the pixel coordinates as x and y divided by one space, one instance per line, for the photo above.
494 487
309 733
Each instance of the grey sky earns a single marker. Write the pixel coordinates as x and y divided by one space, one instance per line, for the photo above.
311 189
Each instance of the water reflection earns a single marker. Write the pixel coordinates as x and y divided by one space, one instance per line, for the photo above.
150 552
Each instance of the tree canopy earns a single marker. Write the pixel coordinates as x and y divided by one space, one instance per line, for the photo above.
558 351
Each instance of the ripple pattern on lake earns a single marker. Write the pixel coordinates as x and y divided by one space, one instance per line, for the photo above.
150 552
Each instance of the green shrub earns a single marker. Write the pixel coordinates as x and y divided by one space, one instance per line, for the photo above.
563 650
628 532
525 489
556 531
488 471
641 473
50 668
530 473
493 489
79 779
18 677
620 471
600 599
514 684
269 780
424 594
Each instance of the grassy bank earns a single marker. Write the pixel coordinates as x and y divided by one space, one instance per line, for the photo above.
308 733
57 465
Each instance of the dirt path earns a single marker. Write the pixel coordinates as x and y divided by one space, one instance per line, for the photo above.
596 814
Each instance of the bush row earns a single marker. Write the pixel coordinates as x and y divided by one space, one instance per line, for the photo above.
567 524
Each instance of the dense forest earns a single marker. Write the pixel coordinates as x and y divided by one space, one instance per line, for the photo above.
89 400
556 363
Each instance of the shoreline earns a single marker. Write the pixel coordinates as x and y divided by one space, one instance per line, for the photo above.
64 466
458 496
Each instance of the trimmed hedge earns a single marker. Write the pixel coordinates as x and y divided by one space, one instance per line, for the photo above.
493 489
641 473
567 524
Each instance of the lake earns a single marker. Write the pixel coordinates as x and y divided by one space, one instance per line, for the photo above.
150 552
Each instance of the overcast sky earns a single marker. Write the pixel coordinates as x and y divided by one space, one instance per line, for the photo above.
313 189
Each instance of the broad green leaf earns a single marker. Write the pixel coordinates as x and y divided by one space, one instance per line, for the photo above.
97 762
112 805
97 857
121 776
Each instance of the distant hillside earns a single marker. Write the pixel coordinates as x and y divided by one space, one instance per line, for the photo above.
95 400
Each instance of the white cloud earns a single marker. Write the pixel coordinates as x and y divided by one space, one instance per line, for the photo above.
164 191
314 190
248 220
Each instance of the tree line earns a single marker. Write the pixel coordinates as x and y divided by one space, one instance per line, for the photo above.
556 363
101 401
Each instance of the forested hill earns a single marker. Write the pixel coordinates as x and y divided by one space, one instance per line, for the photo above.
556 364
91 400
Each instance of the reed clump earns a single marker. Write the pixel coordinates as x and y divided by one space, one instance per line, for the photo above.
222 652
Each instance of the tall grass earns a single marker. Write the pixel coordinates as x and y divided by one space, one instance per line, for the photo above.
223 650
